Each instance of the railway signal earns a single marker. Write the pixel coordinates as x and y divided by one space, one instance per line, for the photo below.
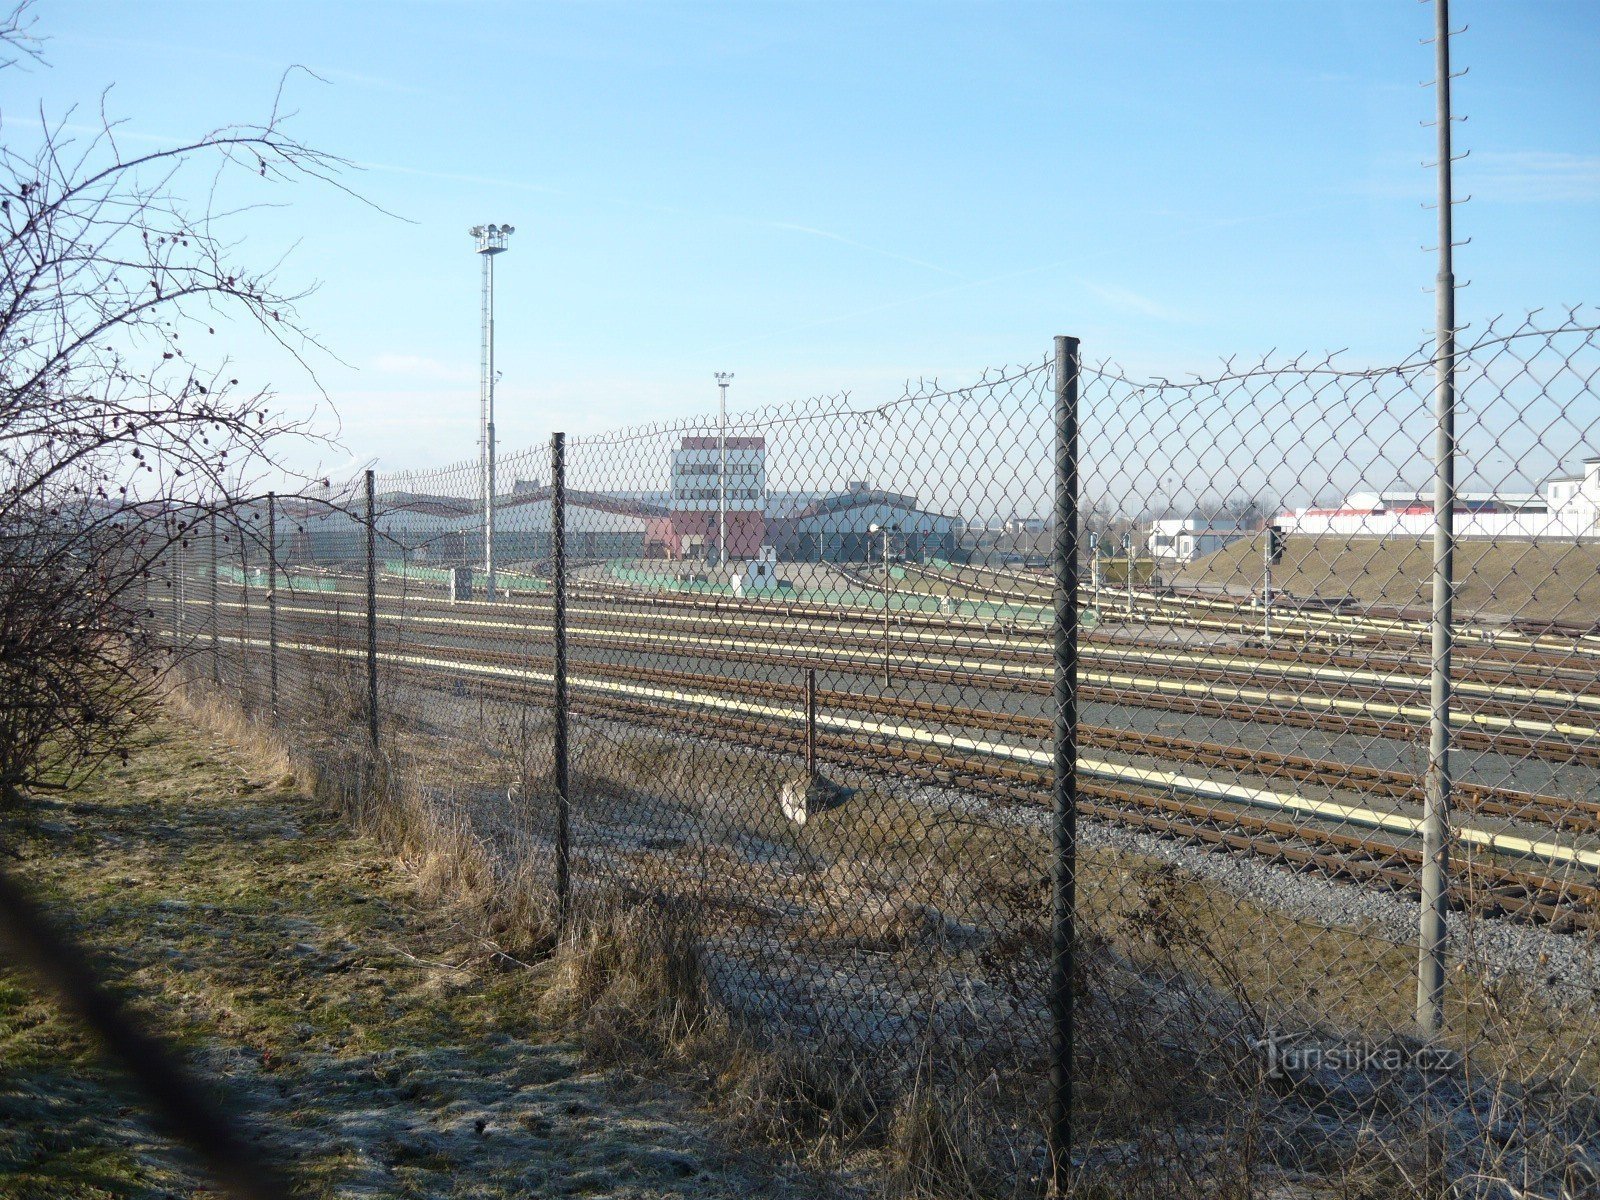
1272 554
1275 544
1127 560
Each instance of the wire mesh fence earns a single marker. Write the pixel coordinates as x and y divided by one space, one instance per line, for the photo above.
794 682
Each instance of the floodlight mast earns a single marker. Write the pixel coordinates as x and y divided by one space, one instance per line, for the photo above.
491 240
724 378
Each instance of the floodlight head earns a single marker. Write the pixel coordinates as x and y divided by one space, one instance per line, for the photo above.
724 378
491 238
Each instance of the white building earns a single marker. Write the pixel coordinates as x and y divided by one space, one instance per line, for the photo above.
1566 508
1182 540
758 575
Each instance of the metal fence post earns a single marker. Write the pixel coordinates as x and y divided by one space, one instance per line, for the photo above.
372 618
811 725
558 621
244 616
175 578
1064 863
216 630
1432 932
272 604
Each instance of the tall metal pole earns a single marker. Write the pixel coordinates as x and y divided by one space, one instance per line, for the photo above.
1432 934
491 240
488 428
1127 553
723 379
372 619
886 607
272 604
1064 862
176 572
886 529
558 622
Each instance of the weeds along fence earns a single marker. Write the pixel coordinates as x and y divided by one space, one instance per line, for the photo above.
1073 759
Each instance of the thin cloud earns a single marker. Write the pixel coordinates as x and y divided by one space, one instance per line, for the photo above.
837 237
196 53
665 210
1131 301
1502 177
1532 176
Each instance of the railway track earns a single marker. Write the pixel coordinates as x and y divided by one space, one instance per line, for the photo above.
1548 680
1570 815
1515 731
1492 702
1478 885
1373 624
1525 666
1481 884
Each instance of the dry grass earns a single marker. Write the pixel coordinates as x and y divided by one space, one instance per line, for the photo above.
507 909
629 978
1544 579
360 1031
1177 975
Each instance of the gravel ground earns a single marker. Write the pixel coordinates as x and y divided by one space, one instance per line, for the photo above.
1565 964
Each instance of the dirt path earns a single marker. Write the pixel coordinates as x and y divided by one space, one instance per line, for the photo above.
295 960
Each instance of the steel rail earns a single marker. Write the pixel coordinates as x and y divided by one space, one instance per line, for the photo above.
1370 716
708 705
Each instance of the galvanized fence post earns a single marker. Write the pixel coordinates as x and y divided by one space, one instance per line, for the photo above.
216 629
558 621
372 618
1064 862
811 725
1432 933
244 616
175 578
272 605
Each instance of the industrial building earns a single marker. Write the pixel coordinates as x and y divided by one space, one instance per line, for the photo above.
1566 507
839 528
703 501
446 530
681 523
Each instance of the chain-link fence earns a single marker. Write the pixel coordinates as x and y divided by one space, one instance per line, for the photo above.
800 682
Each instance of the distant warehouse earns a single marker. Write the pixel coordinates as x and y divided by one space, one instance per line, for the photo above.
449 529
840 528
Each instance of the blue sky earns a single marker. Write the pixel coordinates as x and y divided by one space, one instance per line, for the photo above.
820 196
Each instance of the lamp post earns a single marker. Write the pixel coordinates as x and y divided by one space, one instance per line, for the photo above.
491 240
886 530
724 378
